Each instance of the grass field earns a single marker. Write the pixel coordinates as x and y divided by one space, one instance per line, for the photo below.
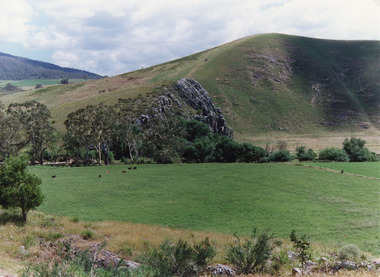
365 169
223 198
31 83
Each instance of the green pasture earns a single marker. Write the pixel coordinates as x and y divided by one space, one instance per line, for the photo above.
226 198
34 82
364 169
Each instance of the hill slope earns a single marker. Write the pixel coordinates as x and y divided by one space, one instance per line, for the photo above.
266 85
18 68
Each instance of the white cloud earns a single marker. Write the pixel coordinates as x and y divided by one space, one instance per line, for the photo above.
115 36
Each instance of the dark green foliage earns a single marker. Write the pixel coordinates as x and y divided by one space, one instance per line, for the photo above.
18 187
196 130
226 150
303 155
64 81
251 255
180 259
280 156
250 153
164 139
355 149
302 246
333 154
199 150
33 119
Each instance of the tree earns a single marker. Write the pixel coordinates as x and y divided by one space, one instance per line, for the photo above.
90 127
11 140
64 81
355 149
34 118
164 139
128 136
18 187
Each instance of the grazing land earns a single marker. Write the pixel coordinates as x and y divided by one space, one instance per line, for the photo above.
226 198
363 169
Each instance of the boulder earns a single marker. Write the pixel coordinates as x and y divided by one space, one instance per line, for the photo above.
220 270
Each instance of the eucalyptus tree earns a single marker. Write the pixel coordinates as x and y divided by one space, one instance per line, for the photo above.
90 127
33 119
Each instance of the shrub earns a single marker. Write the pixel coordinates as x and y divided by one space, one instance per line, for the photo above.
78 263
349 252
199 150
87 234
74 219
179 258
252 254
250 153
280 156
355 149
302 246
372 157
333 154
226 150
303 155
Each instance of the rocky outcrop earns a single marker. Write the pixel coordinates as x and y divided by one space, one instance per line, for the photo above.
188 93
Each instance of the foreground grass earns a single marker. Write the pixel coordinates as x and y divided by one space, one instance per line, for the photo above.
23 245
223 198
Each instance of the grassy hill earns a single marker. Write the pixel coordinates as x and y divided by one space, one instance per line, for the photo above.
268 86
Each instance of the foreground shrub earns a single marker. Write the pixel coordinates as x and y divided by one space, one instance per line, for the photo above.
251 255
81 263
179 258
349 252
302 246
280 156
333 154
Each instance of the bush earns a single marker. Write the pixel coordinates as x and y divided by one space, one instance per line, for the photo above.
349 252
302 246
226 150
250 153
355 149
199 150
87 234
179 258
372 157
252 254
303 155
333 154
280 156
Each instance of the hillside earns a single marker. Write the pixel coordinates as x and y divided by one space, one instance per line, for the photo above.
268 86
18 68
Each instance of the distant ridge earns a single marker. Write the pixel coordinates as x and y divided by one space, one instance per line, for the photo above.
19 68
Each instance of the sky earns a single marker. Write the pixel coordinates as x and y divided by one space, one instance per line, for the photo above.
111 37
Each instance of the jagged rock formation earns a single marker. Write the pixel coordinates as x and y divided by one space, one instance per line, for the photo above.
189 93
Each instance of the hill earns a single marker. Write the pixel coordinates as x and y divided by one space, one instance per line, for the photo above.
18 68
268 86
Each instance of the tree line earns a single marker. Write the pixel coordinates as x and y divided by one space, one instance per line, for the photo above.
101 133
